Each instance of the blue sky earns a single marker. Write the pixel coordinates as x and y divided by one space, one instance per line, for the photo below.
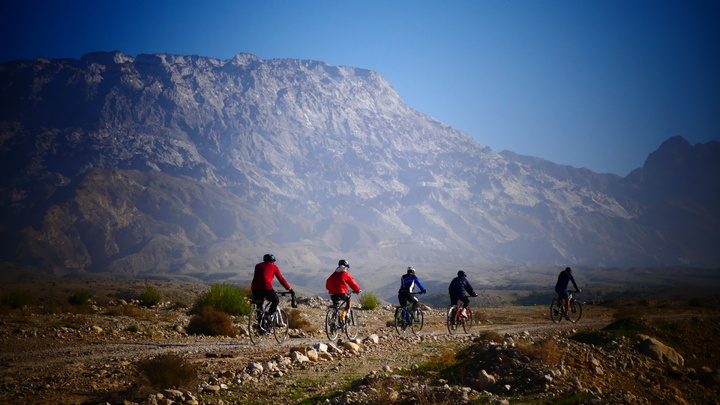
596 84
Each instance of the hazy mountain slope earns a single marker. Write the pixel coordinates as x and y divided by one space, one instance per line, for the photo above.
308 160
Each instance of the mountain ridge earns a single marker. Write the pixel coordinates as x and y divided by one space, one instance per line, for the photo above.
322 161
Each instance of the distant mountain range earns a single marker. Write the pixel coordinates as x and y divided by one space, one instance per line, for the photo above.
187 165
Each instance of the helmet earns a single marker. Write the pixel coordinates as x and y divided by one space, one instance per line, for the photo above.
269 258
343 262
568 270
411 270
461 274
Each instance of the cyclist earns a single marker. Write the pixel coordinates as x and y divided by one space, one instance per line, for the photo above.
262 288
561 288
337 285
408 283
459 290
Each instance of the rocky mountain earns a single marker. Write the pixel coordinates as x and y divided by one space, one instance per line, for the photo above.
197 166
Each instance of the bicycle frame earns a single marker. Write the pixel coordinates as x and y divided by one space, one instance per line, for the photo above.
333 323
260 325
405 317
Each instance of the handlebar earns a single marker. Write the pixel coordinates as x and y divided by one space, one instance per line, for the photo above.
291 293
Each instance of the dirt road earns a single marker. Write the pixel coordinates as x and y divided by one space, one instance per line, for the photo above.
69 359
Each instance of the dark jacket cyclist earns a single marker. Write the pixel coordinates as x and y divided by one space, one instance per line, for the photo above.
561 287
409 284
460 288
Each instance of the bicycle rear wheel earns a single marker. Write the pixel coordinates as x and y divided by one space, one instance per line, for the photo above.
280 325
467 320
352 325
575 311
418 321
331 323
556 311
451 324
400 321
256 329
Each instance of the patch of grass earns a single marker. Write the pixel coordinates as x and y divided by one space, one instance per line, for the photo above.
224 297
627 326
441 361
211 323
167 371
369 301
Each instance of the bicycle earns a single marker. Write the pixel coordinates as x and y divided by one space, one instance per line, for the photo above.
558 312
406 318
335 322
456 318
261 325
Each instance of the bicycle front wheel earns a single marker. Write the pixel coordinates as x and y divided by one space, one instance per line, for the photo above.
556 311
451 324
331 323
255 329
400 322
418 321
575 311
352 325
468 321
280 325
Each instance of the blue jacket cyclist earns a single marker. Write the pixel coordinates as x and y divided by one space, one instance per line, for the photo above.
409 284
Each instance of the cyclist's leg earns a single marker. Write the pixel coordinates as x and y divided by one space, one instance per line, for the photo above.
402 299
465 303
272 296
348 301
564 295
259 300
413 303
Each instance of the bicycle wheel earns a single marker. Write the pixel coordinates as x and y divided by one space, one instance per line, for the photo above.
575 311
451 324
331 323
400 321
280 325
352 325
255 329
418 321
556 311
468 320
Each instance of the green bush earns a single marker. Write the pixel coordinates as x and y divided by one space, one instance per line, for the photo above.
79 298
150 297
211 323
224 297
369 300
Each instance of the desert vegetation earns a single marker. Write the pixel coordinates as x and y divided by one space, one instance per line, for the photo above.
198 353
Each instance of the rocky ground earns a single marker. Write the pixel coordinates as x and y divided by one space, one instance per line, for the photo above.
69 355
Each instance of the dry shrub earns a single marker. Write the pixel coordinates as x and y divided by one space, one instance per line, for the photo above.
211 323
492 336
546 350
297 321
447 357
167 371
